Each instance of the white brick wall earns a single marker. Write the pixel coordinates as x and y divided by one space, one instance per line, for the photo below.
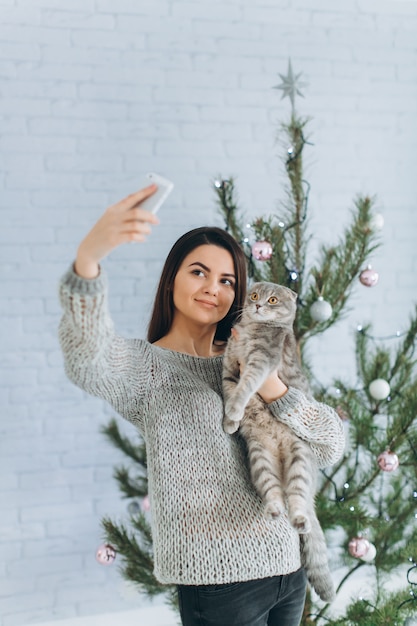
93 94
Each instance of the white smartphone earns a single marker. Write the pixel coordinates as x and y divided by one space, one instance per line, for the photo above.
165 186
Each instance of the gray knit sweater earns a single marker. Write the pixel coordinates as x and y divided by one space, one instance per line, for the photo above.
207 521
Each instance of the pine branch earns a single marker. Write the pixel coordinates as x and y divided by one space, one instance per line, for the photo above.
297 198
137 561
274 270
404 360
338 268
225 191
135 452
131 487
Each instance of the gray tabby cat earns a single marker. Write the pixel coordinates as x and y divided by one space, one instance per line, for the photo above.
282 466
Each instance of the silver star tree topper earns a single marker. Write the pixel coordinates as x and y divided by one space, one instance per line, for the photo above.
291 85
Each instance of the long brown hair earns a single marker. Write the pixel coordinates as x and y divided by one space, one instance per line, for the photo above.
163 308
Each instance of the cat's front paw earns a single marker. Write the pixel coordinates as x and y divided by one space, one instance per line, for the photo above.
230 427
232 412
301 523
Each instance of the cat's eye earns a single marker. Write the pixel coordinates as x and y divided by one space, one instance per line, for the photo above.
254 296
273 300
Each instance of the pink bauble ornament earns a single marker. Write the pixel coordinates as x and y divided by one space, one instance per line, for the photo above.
388 461
262 250
105 554
369 277
358 547
146 504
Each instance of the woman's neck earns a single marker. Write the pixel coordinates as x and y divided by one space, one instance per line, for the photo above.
196 344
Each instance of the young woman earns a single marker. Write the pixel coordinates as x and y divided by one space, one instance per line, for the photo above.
232 566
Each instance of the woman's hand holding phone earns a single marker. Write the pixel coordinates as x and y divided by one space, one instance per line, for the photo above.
122 222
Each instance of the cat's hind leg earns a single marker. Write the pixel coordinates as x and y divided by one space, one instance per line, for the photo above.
300 486
266 480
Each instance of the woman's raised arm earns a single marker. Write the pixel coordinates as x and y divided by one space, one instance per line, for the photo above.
121 223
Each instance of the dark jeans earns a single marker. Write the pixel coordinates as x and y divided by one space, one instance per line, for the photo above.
276 601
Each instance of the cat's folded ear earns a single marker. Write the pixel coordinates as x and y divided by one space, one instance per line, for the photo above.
293 294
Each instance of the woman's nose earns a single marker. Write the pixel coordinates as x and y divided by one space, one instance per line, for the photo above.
212 287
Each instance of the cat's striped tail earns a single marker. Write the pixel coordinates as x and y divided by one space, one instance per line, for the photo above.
314 560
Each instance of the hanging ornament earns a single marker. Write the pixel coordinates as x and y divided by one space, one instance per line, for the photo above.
370 554
388 461
377 222
105 554
358 547
146 504
321 310
369 277
262 250
133 507
379 389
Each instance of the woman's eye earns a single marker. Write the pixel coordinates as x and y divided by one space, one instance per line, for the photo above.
273 300
198 272
254 296
228 282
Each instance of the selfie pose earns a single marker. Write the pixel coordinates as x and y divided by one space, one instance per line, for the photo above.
233 566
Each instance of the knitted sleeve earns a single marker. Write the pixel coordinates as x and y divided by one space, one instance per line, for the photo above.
97 359
314 422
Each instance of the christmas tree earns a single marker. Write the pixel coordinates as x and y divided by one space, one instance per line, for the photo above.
367 502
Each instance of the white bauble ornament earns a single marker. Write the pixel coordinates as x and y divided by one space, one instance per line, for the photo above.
377 222
370 555
410 621
379 389
321 310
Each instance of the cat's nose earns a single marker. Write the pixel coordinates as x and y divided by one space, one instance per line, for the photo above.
258 306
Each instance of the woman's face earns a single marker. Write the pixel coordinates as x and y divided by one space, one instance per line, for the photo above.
204 287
